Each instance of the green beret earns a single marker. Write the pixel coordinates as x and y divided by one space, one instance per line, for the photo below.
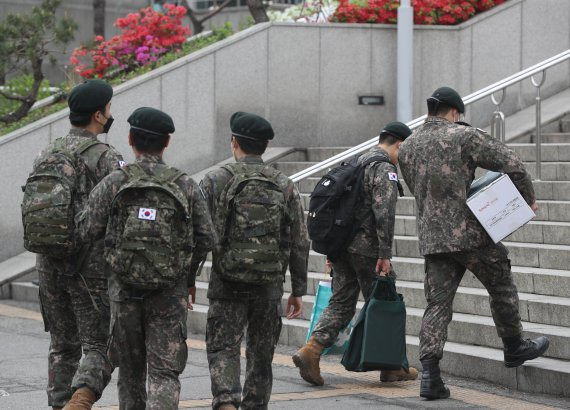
251 126
450 97
151 120
397 129
89 97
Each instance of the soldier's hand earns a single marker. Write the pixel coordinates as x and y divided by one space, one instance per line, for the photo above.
534 207
383 267
191 297
294 306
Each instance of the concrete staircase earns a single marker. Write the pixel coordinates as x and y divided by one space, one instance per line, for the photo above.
539 252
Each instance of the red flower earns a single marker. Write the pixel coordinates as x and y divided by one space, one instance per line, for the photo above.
144 37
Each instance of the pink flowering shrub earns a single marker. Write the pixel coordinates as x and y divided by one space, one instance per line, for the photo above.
145 37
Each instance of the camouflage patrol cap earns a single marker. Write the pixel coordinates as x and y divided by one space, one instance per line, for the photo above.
89 97
448 96
251 126
151 121
397 129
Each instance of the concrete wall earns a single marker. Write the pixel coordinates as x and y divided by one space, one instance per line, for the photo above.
306 80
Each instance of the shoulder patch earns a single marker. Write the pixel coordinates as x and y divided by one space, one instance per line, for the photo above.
392 176
121 163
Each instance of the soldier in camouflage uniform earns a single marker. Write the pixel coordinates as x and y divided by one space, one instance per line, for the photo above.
438 163
367 255
234 306
73 291
148 327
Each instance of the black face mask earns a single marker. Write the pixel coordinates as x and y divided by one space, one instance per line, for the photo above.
108 124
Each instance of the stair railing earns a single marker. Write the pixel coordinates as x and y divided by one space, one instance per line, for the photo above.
498 120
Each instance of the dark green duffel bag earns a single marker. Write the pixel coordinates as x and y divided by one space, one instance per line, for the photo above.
378 340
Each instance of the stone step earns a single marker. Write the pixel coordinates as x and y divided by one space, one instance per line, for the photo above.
465 328
548 282
551 171
545 232
547 256
548 210
543 375
312 154
549 152
553 137
533 308
545 190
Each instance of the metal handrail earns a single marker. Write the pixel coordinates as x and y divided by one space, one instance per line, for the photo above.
467 100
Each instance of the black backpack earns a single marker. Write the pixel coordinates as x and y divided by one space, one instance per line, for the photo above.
332 221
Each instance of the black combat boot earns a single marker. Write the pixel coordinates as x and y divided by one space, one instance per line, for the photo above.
432 387
518 350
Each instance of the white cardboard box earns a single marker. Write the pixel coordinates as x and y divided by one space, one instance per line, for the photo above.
500 208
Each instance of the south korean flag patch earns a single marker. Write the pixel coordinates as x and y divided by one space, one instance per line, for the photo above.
147 214
392 176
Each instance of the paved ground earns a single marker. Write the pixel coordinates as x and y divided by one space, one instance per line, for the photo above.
23 369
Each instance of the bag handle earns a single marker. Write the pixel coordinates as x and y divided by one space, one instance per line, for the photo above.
385 289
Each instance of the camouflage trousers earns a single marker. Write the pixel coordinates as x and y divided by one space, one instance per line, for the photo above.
149 332
444 272
227 320
352 273
76 313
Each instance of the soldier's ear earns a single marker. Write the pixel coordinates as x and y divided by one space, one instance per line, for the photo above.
167 141
130 139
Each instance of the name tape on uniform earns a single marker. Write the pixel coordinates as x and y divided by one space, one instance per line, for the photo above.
148 214
392 176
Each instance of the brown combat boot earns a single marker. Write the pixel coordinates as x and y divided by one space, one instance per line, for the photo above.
82 399
307 360
398 375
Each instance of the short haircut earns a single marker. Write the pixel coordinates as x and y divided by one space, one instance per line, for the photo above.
83 119
437 108
146 142
251 146
388 139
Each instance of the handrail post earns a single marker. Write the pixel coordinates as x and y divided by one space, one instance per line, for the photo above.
538 131
498 118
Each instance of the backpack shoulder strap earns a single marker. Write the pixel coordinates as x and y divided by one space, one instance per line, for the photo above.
168 174
85 145
379 158
133 171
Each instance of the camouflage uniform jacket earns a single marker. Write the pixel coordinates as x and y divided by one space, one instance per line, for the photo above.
212 185
93 221
96 162
378 197
438 163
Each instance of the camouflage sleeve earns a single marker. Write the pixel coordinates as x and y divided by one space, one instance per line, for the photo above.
205 237
92 221
404 157
299 255
207 188
384 197
109 161
489 153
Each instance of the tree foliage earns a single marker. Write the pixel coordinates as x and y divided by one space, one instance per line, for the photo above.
25 42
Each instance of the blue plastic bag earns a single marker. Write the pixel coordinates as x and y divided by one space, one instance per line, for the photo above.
322 298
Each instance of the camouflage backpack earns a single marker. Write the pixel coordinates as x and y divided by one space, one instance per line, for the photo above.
50 199
249 216
148 241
